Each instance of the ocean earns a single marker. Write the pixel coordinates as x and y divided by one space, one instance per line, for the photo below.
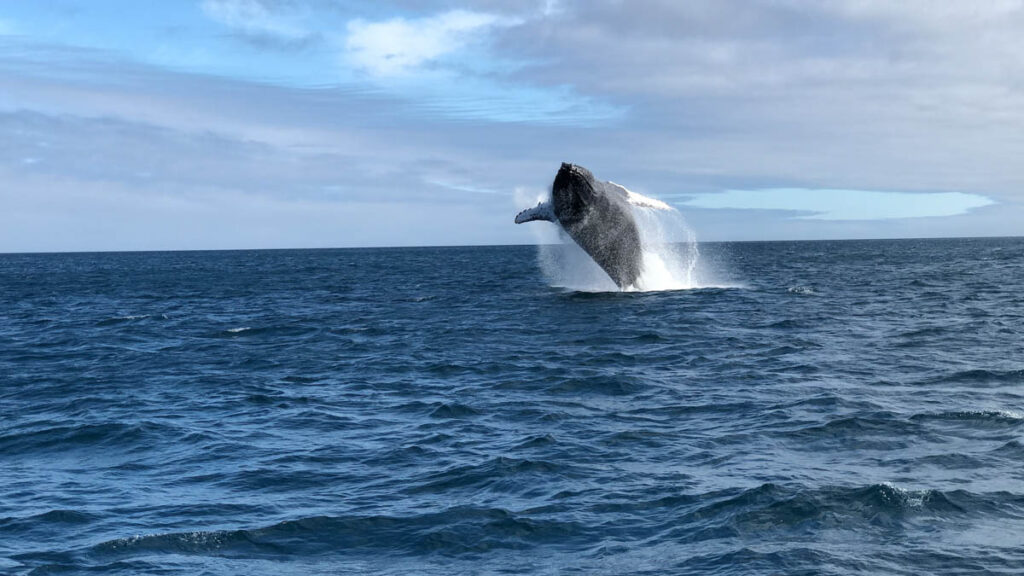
848 407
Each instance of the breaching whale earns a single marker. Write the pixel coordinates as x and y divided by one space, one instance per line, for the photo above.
598 216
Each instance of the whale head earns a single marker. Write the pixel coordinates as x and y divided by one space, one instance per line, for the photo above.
572 191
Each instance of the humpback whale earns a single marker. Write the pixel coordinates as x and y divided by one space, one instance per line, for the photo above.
598 217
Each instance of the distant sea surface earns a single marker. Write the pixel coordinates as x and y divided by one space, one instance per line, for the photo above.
836 408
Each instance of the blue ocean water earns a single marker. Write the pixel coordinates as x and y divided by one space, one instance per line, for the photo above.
843 408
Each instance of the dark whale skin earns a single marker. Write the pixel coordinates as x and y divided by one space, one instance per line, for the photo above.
598 217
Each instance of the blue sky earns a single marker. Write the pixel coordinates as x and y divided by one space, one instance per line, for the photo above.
291 123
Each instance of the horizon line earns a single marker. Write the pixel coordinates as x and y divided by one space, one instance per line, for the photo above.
434 246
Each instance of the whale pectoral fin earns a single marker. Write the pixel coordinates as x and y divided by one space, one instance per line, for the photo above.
542 211
641 200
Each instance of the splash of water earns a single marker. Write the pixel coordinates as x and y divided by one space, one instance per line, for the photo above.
670 252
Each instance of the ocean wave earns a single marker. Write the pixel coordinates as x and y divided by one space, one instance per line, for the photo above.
986 418
14 524
876 431
122 319
1014 450
276 330
453 410
771 507
597 385
65 437
980 376
501 474
928 331
458 530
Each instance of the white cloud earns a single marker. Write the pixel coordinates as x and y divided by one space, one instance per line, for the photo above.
444 66
252 17
845 204
401 46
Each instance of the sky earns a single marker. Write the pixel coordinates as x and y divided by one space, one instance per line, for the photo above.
220 124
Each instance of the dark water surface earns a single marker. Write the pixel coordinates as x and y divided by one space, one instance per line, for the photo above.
851 408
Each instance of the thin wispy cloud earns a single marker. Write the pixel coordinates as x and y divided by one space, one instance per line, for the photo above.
254 18
401 47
